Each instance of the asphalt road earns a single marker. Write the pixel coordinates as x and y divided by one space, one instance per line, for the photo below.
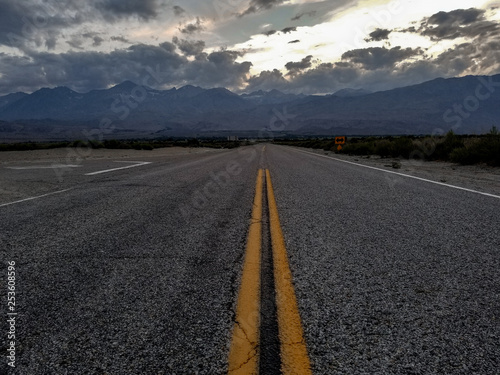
136 270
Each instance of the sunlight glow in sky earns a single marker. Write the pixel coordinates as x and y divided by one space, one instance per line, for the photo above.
348 30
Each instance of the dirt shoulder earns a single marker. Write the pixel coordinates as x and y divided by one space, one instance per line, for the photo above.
62 155
477 177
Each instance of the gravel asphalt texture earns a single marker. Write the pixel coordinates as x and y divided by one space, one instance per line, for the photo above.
136 271
392 275
114 279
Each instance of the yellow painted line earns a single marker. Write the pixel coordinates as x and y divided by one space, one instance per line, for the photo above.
294 356
244 352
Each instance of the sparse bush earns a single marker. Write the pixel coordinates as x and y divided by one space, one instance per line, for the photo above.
444 148
485 150
115 144
366 148
402 147
452 147
383 148
463 156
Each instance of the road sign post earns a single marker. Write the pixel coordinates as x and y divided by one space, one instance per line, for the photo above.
340 141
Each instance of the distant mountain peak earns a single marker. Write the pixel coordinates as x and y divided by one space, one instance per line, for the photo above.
125 85
221 90
55 89
351 93
189 91
257 93
59 91
275 92
189 87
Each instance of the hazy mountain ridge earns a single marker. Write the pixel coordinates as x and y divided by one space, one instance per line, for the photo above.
350 93
467 104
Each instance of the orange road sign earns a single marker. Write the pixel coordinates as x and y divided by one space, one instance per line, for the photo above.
339 140
339 147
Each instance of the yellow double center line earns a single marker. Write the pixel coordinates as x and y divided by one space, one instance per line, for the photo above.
244 351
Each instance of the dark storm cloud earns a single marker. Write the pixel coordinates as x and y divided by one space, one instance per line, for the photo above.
268 80
287 30
459 58
382 69
75 43
378 35
469 57
270 32
11 15
458 16
26 26
86 70
323 78
377 57
178 10
300 15
120 39
490 54
97 40
29 25
189 48
296 67
113 9
217 69
372 68
330 77
192 28
260 5
458 23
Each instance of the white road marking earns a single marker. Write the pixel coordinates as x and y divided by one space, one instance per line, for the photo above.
31 198
47 166
131 161
404 175
138 164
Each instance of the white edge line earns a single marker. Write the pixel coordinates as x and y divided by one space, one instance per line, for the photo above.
116 169
30 199
404 175
46 166
131 161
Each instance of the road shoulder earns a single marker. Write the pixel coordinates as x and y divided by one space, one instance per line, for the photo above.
482 178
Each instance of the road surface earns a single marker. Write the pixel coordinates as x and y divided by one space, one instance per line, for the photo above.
135 267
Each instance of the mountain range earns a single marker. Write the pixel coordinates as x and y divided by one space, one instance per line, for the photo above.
467 105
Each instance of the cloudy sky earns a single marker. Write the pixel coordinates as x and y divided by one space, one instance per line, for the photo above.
308 46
